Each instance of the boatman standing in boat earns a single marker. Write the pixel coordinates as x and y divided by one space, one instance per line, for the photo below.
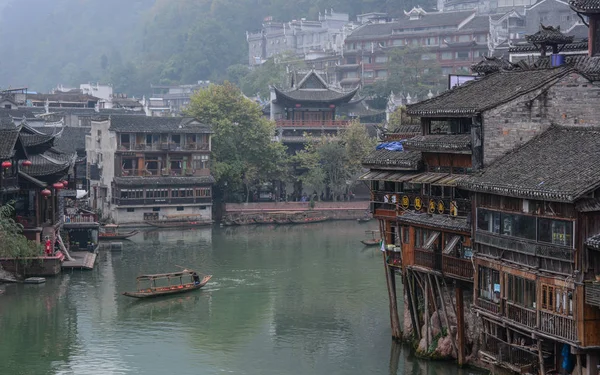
196 278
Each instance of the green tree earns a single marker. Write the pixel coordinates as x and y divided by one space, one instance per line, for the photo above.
335 162
400 118
414 71
12 242
274 71
244 155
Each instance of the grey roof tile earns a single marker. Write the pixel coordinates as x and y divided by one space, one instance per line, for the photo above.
585 6
401 160
485 93
71 139
549 35
144 124
560 165
458 224
8 138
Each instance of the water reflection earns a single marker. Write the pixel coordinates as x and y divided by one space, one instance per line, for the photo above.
305 299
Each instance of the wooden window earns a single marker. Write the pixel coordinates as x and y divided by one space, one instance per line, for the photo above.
203 192
557 300
489 284
406 234
521 291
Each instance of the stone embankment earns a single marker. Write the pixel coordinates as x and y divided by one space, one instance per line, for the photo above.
333 210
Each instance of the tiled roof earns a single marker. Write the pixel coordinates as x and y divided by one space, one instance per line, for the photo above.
63 97
526 47
440 143
401 160
549 35
156 181
46 164
586 65
144 124
485 93
315 95
71 139
16 113
585 6
491 65
478 23
31 140
593 242
8 138
588 205
561 165
458 224
438 19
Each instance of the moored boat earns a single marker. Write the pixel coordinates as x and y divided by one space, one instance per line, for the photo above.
178 223
188 280
116 236
306 220
371 241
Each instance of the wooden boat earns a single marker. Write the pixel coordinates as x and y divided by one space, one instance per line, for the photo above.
116 236
187 281
371 241
363 219
306 220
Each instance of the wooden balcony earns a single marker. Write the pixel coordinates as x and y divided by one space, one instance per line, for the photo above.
521 315
383 213
592 293
487 305
457 267
312 124
394 259
9 182
510 356
558 325
425 259
81 218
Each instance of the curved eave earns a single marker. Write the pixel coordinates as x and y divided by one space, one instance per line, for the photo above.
585 12
342 98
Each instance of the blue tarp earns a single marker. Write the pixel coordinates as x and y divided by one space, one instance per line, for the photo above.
392 146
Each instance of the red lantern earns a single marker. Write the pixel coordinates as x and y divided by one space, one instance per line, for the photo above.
298 105
6 164
65 183
58 186
46 193
27 163
332 106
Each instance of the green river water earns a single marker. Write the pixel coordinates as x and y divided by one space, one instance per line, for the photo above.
306 299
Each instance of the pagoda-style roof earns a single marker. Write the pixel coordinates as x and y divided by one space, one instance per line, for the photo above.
8 139
549 35
397 160
550 167
588 66
491 65
48 163
453 143
585 6
488 92
312 88
163 181
31 140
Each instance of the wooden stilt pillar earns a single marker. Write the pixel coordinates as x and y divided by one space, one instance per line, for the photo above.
541 357
413 305
426 315
435 305
391 288
460 325
437 283
396 350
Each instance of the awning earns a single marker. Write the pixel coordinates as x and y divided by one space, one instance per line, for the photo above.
33 180
81 194
450 180
386 176
428 178
451 245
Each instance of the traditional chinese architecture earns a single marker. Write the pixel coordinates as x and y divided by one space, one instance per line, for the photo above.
150 168
428 217
535 211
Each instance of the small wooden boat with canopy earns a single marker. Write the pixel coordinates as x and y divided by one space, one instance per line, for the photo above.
371 241
168 283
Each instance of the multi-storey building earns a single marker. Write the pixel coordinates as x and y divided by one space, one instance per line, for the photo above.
168 100
431 224
454 39
299 37
150 168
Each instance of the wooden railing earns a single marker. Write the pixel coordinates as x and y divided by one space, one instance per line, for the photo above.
425 258
558 325
490 306
511 356
394 258
521 315
311 124
457 267
9 181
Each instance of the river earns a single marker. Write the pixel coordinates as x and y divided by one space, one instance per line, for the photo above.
306 299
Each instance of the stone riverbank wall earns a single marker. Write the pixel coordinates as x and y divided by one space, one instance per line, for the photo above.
334 210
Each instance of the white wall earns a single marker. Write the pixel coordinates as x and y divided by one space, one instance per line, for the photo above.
100 147
121 216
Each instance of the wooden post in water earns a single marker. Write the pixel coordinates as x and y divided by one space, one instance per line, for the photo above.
390 280
409 301
460 325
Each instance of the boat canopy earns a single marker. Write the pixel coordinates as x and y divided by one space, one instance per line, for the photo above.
166 275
